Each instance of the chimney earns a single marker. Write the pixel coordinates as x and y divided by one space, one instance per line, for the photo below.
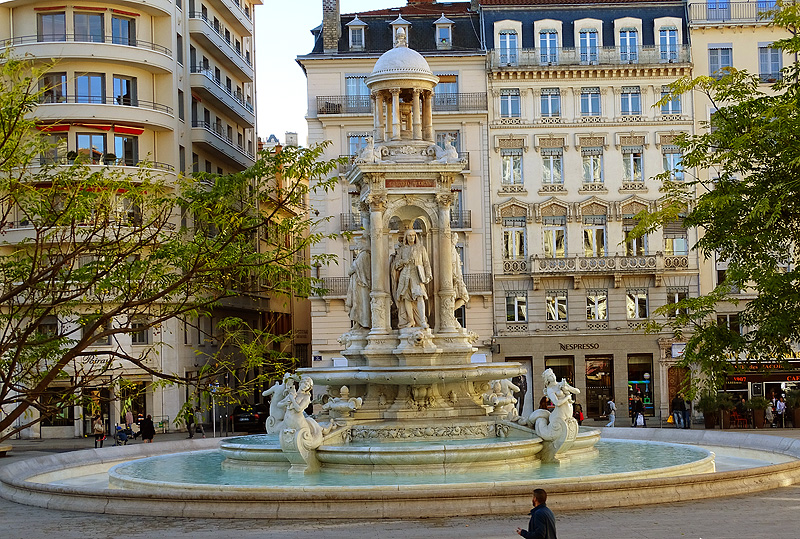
331 26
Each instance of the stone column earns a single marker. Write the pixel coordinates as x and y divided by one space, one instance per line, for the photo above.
380 114
445 320
427 116
416 116
376 117
395 113
380 265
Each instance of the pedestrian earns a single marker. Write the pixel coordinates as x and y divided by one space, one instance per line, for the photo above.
543 522
198 423
190 422
687 413
129 419
611 412
678 406
637 410
148 429
780 411
99 430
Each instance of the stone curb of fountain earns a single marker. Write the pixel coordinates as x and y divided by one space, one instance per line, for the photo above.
396 501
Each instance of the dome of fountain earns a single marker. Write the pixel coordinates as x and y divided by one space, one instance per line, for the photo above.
401 63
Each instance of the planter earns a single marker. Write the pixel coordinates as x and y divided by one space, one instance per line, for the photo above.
796 418
759 418
710 420
726 418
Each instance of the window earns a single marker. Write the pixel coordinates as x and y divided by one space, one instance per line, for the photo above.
588 46
555 237
634 246
95 340
632 164
182 159
509 103
441 136
195 162
675 295
631 101
56 148
181 106
90 88
443 38
636 302
91 147
140 333
594 235
357 142
770 64
548 47
552 166
719 57
718 9
597 304
673 163
52 27
766 5
89 27
629 46
445 94
590 101
179 50
356 85
514 239
668 44
731 321
556 305
517 307
58 411
673 106
592 165
123 31
53 87
675 239
508 48
126 148
125 91
511 173
551 102
356 37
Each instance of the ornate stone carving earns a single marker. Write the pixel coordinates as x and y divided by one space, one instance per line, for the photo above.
511 143
377 202
632 140
558 428
444 199
591 142
344 405
410 433
551 142
369 153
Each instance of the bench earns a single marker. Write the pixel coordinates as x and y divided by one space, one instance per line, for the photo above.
4 449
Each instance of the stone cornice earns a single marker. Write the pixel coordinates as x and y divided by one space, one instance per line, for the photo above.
592 73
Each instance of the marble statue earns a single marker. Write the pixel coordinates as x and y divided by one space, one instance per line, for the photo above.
344 405
459 286
277 394
300 435
369 153
449 154
501 397
413 273
357 301
558 429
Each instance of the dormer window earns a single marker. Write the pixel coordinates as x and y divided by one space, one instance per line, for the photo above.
357 28
397 24
444 32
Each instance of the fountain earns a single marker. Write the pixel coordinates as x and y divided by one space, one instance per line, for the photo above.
411 427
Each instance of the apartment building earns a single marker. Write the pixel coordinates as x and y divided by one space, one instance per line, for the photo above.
340 110
739 35
166 82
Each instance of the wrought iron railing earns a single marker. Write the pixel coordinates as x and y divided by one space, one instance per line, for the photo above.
561 56
334 286
219 29
237 96
460 102
86 38
218 133
344 104
612 263
726 12
478 282
49 99
350 221
461 219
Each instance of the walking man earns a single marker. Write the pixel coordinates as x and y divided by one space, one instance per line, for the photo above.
611 412
543 522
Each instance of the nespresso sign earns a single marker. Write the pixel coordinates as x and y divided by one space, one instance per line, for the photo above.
579 346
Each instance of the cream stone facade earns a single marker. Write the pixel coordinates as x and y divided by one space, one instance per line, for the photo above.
166 82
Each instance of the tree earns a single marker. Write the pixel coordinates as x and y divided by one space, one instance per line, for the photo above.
92 256
748 212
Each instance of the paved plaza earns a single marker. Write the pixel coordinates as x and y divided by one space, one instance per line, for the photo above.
767 514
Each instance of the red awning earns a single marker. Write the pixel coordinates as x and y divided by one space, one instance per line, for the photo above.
53 128
127 130
103 127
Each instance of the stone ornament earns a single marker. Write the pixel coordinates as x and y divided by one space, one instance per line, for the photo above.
344 405
449 153
411 270
558 429
357 301
501 399
369 153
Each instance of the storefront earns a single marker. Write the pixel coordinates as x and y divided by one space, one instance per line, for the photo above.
767 379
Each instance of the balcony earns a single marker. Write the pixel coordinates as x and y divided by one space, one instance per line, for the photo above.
654 263
350 222
212 37
478 282
233 12
461 219
335 287
208 87
724 12
155 116
205 134
602 56
361 104
513 266
129 51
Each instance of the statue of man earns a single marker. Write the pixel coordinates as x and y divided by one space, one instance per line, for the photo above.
459 287
414 274
357 301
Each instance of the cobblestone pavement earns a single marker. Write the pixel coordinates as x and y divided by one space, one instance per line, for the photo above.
767 514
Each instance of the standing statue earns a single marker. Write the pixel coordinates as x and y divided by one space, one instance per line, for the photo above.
413 273
300 435
357 301
277 410
558 428
459 286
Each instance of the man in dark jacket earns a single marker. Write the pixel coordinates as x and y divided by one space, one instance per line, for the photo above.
543 522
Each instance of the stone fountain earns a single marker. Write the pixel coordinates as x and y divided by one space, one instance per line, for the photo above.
409 376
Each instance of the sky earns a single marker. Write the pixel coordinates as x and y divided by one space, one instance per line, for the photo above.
283 32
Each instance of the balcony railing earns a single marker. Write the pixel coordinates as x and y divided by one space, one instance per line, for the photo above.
350 222
48 99
605 264
460 102
362 104
564 56
219 29
237 96
108 159
222 136
461 219
84 38
515 265
478 282
722 12
335 286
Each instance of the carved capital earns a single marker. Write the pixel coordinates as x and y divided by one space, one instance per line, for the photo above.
444 200
377 202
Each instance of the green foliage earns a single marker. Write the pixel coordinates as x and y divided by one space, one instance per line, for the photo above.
748 211
757 403
793 398
707 403
90 255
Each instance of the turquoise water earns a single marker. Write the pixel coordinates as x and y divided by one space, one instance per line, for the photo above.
205 468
